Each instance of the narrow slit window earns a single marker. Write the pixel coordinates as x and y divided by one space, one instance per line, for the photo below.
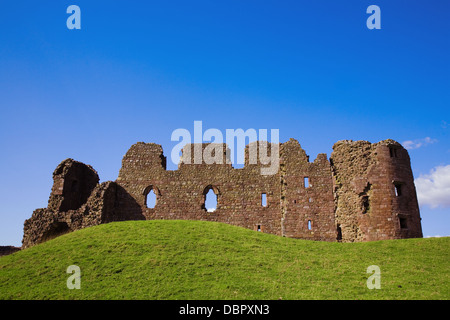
306 182
339 233
309 225
365 204
264 200
398 189
393 152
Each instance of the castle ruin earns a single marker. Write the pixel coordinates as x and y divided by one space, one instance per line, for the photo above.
364 192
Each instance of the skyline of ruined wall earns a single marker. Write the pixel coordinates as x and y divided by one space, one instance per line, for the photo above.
352 196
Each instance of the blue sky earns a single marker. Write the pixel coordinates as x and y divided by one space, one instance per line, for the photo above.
136 71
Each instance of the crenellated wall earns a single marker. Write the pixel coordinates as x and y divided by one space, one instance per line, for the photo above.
181 193
364 192
307 194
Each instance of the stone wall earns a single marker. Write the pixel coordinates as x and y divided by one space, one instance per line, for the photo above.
6 250
181 193
374 190
307 194
70 208
365 192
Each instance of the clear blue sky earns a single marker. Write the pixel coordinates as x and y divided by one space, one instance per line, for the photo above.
137 70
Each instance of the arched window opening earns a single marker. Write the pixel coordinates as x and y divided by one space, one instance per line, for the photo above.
309 225
210 198
211 201
151 199
151 194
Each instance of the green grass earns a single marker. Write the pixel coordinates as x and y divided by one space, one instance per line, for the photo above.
207 260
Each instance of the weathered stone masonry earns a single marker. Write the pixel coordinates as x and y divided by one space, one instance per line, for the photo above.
364 192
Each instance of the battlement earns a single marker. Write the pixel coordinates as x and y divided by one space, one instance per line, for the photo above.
363 192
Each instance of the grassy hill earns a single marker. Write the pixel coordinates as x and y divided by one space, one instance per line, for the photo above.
206 260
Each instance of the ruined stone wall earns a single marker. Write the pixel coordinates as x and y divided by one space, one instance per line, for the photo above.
70 208
73 183
365 192
181 193
6 250
308 203
375 193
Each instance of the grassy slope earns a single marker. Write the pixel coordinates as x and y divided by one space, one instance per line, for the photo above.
206 260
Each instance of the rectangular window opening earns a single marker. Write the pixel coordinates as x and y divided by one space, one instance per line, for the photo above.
306 182
264 200
403 223
398 189
393 152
